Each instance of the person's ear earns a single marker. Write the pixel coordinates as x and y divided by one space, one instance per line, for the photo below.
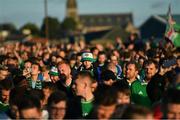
137 72
156 70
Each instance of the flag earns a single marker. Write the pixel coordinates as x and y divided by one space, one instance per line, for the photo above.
171 34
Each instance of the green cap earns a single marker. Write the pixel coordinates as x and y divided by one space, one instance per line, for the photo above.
54 71
87 56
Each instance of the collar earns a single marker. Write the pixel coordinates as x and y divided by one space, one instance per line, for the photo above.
89 101
101 64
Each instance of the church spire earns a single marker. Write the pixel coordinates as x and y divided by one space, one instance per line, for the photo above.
71 9
71 4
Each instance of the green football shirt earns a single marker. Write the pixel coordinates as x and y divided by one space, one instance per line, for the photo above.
86 107
139 94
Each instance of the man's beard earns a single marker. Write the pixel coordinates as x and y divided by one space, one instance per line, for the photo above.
63 78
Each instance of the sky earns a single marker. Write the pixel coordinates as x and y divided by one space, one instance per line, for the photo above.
20 12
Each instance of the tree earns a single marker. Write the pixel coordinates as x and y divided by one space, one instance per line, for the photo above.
32 27
9 27
53 27
69 24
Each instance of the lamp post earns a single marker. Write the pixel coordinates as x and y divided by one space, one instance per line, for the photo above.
46 19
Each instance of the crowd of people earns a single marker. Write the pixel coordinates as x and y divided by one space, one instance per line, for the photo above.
122 80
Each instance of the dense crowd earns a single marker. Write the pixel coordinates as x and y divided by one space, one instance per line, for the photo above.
131 79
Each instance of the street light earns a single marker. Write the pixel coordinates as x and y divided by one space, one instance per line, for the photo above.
46 19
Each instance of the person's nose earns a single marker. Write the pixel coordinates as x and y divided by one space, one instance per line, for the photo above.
147 70
5 97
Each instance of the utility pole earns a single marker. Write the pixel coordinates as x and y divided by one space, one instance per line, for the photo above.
46 19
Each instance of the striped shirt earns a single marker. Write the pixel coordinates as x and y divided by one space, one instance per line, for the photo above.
34 84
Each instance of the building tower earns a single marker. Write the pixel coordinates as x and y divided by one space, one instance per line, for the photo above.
71 10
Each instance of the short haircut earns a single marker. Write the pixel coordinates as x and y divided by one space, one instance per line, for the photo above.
134 63
49 85
28 102
28 61
105 95
93 49
19 81
36 93
86 74
15 94
44 68
110 64
122 87
132 110
35 63
101 53
56 97
171 96
150 61
63 62
6 84
107 75
113 56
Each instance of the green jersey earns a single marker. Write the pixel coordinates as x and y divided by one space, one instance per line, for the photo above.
86 107
138 93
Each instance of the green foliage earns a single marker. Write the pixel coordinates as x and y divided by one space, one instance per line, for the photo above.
32 27
9 27
69 24
53 27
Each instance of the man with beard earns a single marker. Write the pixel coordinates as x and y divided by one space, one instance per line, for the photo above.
54 74
138 88
131 72
65 82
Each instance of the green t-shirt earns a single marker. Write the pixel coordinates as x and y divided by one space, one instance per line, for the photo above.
139 94
86 107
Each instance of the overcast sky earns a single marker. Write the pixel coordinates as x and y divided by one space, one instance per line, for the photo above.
22 11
